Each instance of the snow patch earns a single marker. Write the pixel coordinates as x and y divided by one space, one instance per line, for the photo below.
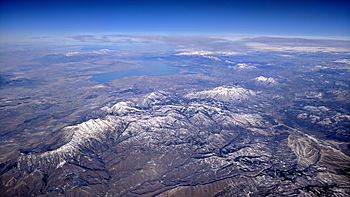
343 61
266 80
224 93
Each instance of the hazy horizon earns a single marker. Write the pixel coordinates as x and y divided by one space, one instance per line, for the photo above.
22 19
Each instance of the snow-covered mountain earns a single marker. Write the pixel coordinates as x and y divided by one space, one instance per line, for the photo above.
150 120
224 93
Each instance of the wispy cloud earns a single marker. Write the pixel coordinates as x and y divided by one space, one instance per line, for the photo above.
267 47
94 52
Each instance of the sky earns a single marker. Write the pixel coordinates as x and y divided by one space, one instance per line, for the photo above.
269 17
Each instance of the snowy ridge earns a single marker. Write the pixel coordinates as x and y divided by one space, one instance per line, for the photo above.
121 108
343 61
129 122
266 80
154 98
208 54
83 135
244 66
224 93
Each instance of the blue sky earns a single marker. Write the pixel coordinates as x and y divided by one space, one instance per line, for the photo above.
308 17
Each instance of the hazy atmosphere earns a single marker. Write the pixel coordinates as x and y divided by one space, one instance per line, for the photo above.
174 98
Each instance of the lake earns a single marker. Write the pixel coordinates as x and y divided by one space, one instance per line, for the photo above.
149 69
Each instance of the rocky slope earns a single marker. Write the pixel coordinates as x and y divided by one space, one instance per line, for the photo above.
173 146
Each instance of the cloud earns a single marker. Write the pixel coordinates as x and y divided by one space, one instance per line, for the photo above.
94 52
268 47
109 38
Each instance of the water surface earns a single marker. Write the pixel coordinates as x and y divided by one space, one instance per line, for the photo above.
150 69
